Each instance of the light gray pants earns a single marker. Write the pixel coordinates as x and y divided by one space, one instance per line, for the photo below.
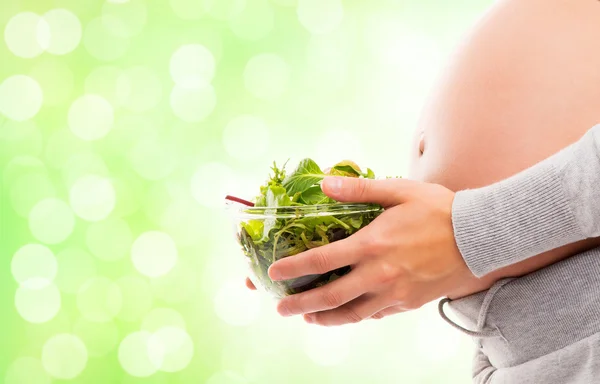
541 328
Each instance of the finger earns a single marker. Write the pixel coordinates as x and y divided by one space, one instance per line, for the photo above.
355 311
389 311
348 287
387 192
318 260
250 284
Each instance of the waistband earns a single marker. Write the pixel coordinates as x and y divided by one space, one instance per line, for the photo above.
521 319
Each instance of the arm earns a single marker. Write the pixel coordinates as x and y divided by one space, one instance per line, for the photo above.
554 203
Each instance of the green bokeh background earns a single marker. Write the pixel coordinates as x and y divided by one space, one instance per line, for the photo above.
112 220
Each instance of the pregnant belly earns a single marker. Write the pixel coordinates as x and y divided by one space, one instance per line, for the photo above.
525 84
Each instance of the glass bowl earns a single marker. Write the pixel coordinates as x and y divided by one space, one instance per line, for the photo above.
268 234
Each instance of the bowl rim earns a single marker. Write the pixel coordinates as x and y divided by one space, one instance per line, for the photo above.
333 209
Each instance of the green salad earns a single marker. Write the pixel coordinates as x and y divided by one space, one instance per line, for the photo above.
292 215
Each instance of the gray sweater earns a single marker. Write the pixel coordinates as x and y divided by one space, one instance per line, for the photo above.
543 327
554 203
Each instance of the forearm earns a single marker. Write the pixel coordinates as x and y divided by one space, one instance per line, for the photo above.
534 218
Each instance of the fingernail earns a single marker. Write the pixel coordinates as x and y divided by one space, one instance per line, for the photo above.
333 184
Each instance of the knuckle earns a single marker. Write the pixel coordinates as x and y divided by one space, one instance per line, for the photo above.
320 262
377 316
352 316
361 189
387 272
331 298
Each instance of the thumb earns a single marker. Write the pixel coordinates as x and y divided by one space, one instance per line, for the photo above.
388 192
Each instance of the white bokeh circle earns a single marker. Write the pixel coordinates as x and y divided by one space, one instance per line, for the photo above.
320 16
192 66
134 355
255 21
154 253
111 83
28 190
34 263
99 299
153 158
246 137
24 32
266 76
110 239
75 267
90 117
170 349
39 304
65 31
55 78
237 305
92 197
178 285
21 97
51 221
64 356
26 370
124 18
193 104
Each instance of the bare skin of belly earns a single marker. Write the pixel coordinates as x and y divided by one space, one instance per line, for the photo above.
525 84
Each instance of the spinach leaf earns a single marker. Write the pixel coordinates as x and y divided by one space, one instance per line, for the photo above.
304 176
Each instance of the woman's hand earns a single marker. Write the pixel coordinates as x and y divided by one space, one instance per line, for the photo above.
405 258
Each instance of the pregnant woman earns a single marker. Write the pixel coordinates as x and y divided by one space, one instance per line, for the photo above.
501 215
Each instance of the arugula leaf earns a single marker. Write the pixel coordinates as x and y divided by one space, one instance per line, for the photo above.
305 176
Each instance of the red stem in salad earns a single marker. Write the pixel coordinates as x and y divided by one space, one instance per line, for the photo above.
238 200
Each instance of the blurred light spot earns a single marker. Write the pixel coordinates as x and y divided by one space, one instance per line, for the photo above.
184 220
19 138
226 377
170 349
124 19
75 267
327 346
64 356
83 164
26 370
65 32
154 253
222 182
99 338
192 66
162 317
92 198
20 166
266 76
37 301
146 89
320 16
55 79
28 190
134 355
246 137
328 55
224 9
99 299
33 263
23 33
90 117
254 22
193 104
51 221
111 83
20 97
237 305
188 9
109 240
137 298
178 285
102 43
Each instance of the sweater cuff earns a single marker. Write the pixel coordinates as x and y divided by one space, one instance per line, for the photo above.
512 220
